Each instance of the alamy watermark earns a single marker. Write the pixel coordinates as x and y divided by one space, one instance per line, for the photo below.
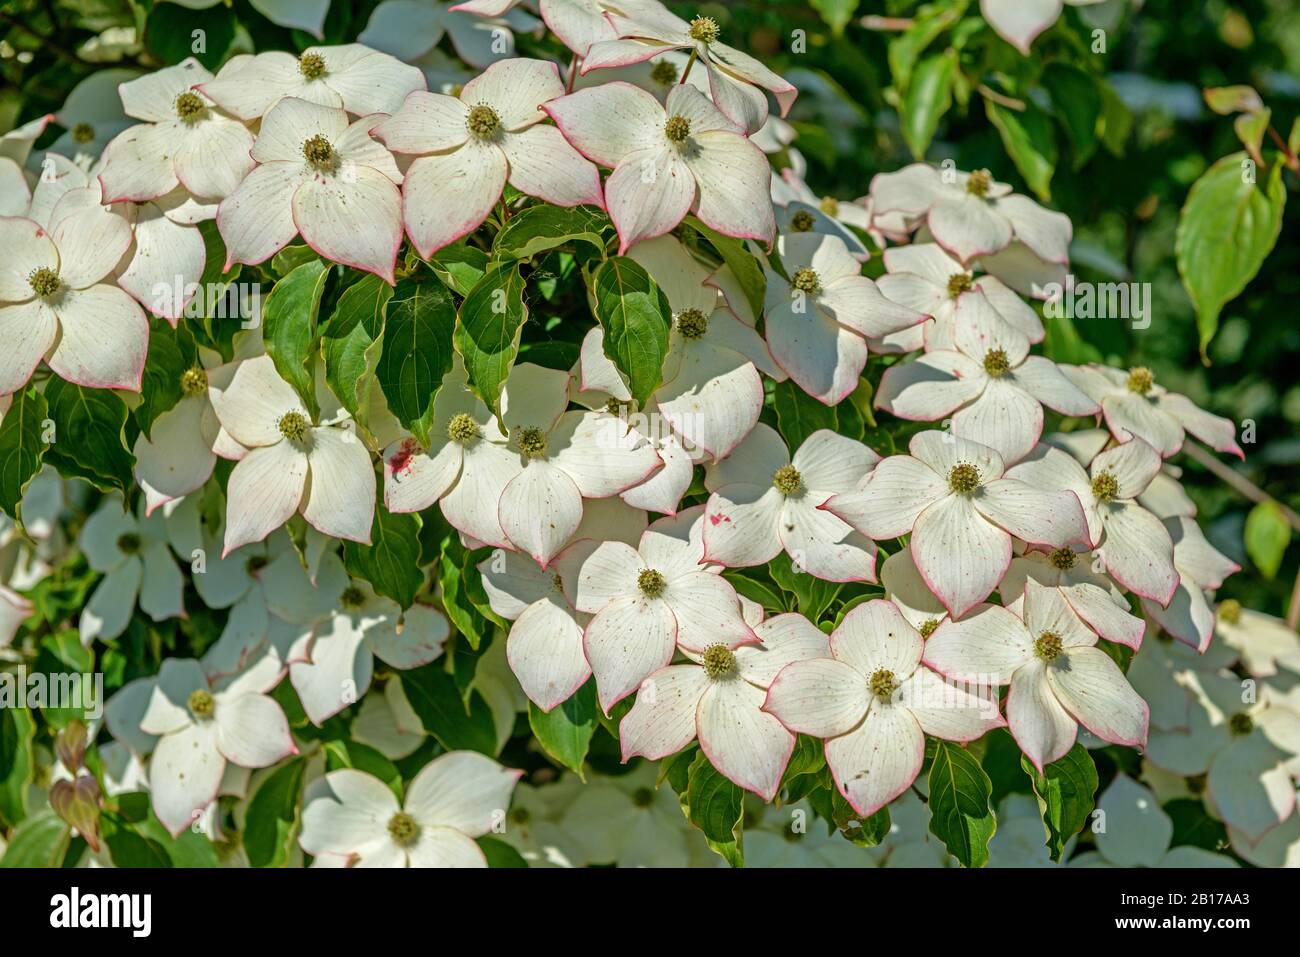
1096 300
78 691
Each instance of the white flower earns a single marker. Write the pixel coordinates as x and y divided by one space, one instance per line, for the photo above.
469 146
822 311
314 169
184 140
970 214
457 797
200 728
718 697
651 600
764 502
1265 643
14 610
1135 406
874 703
1201 569
1059 678
263 413
631 820
350 77
1019 22
668 161
905 587
132 554
411 30
1135 547
1081 577
91 116
800 210
951 494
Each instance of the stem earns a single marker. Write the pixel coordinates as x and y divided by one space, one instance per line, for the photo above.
573 73
1293 612
884 23
1292 162
689 63
1009 102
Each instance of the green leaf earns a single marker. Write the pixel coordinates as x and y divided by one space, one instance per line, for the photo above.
1066 791
391 562
1029 141
459 266
960 814
565 731
22 446
1227 228
434 696
756 591
541 228
864 833
291 257
813 594
1226 100
1077 102
929 97
171 353
635 315
716 807
1268 534
836 13
1192 825
39 841
744 265
289 327
353 340
169 33
799 415
499 853
418 327
128 848
89 440
273 816
1116 121
488 329
361 757
17 731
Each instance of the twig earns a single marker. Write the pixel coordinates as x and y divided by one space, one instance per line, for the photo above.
45 41
884 23
1009 102
1292 162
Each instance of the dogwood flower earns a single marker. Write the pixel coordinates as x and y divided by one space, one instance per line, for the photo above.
91 117
649 601
349 77
718 697
55 304
564 458
962 512
313 169
1247 750
1134 405
338 658
763 502
631 820
923 277
874 703
970 214
905 587
668 160
989 384
800 210
1265 643
1019 22
411 31
457 797
184 140
822 311
1133 544
1201 568
1059 678
474 144
293 464
736 80
131 553
14 610
200 727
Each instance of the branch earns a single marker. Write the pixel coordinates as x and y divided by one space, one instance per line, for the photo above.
1238 481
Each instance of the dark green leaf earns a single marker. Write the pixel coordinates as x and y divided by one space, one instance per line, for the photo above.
273 816
960 814
289 326
565 731
540 228
1066 791
352 342
435 697
799 415
1029 140
39 841
391 562
635 315
418 327
17 730
89 440
929 97
488 327
22 446
747 269
499 853
1078 105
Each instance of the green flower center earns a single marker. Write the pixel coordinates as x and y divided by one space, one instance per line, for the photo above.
787 480
643 797
979 182
651 582
677 129
928 627
200 703
1241 724
463 429
319 153
704 29
883 684
44 281
996 363
311 66
483 121
829 205
1105 487
557 583
664 73
616 406
194 381
802 222
719 661
692 324
189 106
964 478
403 829
1140 380
83 133
1230 611
129 543
352 598
958 283
520 816
532 442
806 280
293 426
1048 646
1062 559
